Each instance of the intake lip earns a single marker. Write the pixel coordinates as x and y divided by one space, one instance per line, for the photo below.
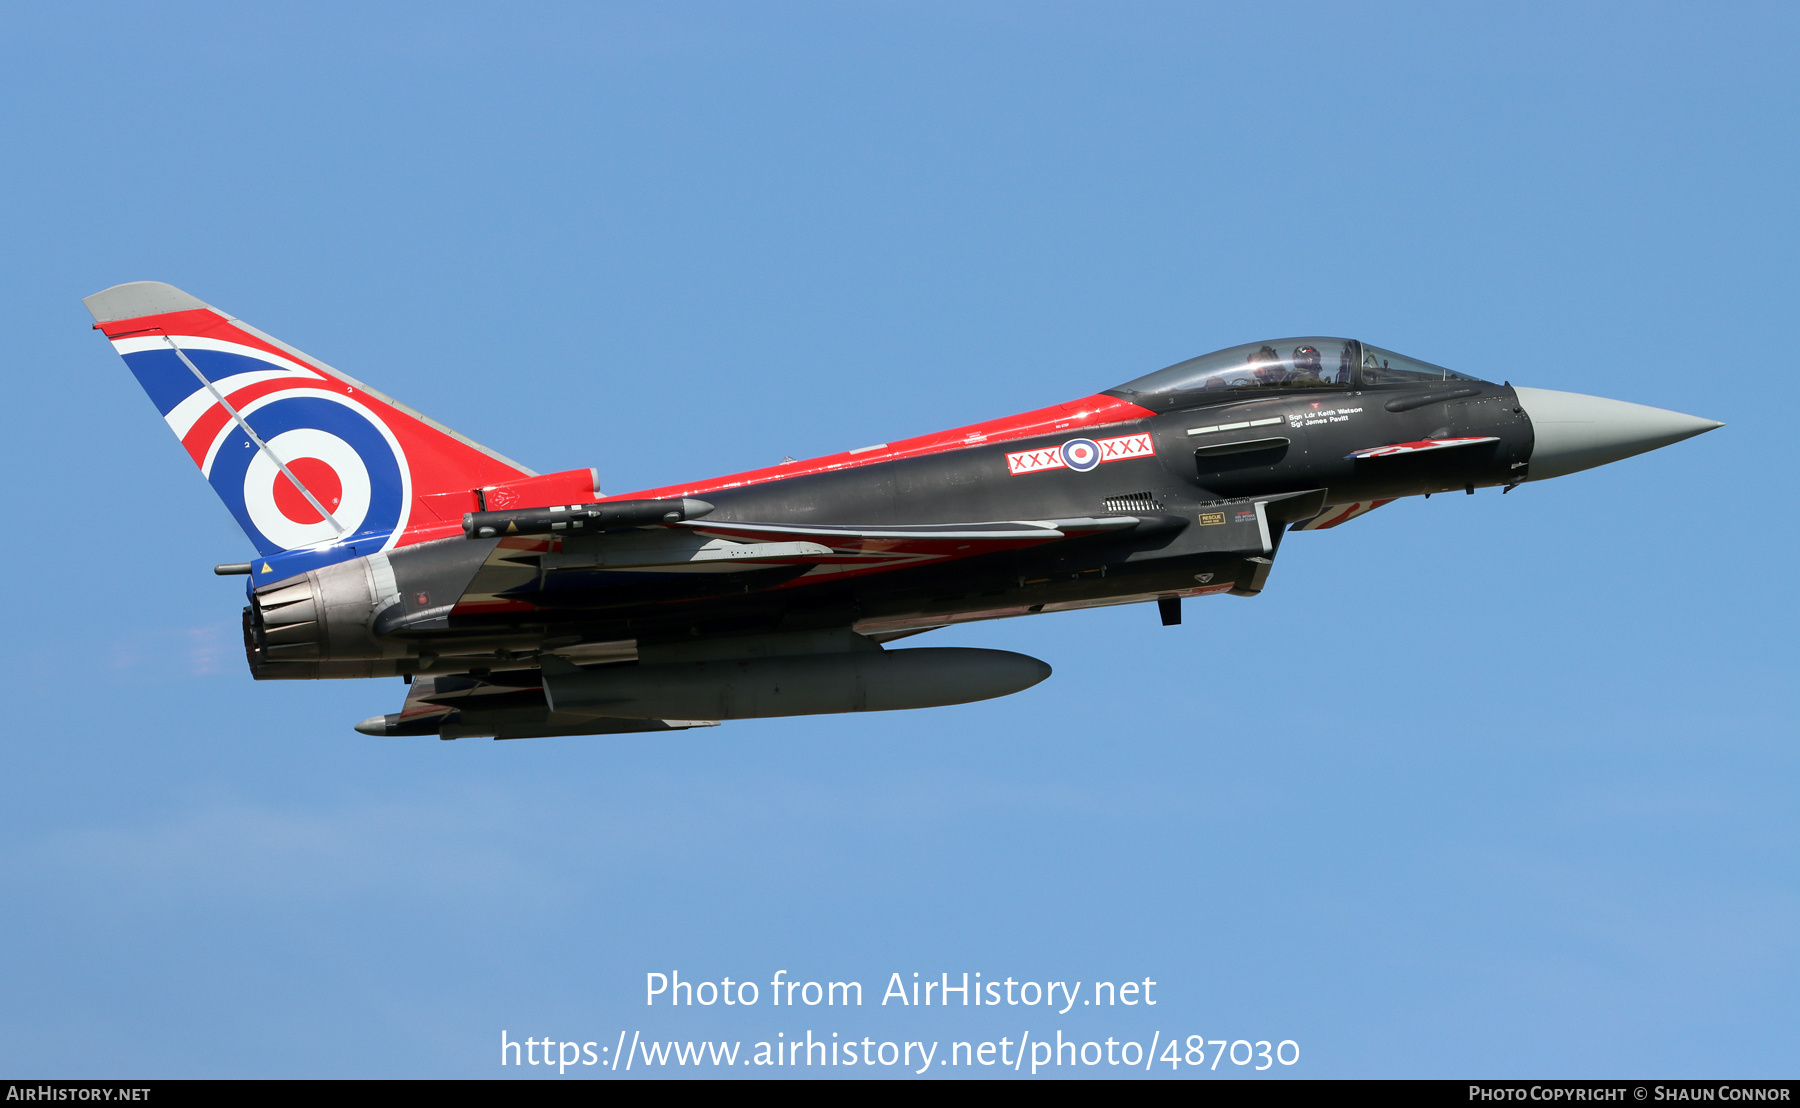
1574 432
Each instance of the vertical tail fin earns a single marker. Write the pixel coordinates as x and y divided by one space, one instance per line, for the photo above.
306 458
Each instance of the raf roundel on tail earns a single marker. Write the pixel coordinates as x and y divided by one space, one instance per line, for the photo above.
520 605
309 461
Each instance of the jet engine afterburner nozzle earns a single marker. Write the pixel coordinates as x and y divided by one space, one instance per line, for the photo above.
320 624
581 519
1574 432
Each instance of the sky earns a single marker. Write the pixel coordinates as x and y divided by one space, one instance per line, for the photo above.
1480 786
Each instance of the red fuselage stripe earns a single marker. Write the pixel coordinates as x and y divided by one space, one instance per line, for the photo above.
1093 411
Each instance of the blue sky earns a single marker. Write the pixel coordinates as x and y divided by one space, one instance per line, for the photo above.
1479 786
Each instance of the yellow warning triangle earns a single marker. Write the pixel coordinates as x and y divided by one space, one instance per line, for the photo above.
512 527
265 568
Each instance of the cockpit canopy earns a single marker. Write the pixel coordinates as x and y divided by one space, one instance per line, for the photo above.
1298 363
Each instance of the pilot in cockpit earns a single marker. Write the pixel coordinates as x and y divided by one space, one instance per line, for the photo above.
1266 365
1308 368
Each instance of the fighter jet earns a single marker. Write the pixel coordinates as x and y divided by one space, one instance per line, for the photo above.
516 604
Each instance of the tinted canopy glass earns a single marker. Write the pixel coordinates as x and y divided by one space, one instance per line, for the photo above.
1298 363
1384 367
1279 363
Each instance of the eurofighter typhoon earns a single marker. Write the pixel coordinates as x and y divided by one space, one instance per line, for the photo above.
516 604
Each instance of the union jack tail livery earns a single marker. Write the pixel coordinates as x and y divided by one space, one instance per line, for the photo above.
316 466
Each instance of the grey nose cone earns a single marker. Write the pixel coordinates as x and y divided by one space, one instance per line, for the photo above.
1576 432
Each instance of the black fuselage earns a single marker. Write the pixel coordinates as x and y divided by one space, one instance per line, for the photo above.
1215 457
